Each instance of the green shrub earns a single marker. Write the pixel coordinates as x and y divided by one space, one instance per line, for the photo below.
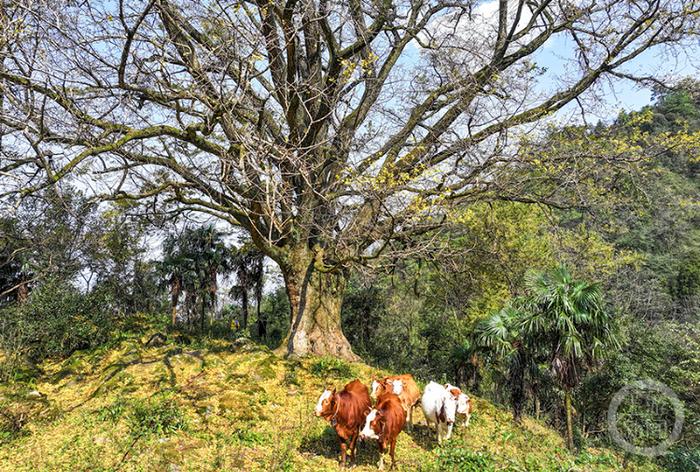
290 378
113 411
331 367
56 321
11 423
585 457
157 416
248 437
459 459
682 460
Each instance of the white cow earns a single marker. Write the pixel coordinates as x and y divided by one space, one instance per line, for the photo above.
440 407
464 404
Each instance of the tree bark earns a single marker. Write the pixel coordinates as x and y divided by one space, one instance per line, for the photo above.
175 288
569 420
204 313
517 385
244 307
262 324
315 298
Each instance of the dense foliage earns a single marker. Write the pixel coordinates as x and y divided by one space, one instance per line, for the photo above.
70 273
490 307
634 229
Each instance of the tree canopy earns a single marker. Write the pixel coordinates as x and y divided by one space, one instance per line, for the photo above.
330 132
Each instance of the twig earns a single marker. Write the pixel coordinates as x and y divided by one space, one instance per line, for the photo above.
126 453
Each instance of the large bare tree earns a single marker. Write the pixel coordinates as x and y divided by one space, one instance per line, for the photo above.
331 132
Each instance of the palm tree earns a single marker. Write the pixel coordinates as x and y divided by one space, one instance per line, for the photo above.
566 319
192 262
468 359
247 265
212 258
502 335
171 268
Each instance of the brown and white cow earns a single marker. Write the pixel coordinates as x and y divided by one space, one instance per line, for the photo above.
464 403
384 423
346 411
402 385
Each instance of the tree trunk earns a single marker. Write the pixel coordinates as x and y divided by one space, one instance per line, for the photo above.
476 375
204 312
262 324
315 298
517 395
569 420
175 289
517 385
190 302
244 307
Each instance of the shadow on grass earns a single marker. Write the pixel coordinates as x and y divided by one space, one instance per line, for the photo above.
327 445
115 368
423 436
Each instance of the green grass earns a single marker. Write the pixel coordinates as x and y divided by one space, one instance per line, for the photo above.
206 407
330 367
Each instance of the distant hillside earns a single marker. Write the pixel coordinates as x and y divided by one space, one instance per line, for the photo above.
223 406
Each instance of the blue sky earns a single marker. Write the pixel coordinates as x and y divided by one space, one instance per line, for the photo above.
620 94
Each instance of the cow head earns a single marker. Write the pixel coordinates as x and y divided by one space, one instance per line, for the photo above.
376 385
397 386
462 398
326 403
463 404
373 425
379 387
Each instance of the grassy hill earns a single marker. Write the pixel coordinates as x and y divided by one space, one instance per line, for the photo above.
218 405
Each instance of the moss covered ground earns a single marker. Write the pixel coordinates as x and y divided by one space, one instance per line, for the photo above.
217 405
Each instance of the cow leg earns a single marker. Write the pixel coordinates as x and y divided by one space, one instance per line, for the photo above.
353 447
438 428
343 453
428 423
466 422
449 431
392 451
380 464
